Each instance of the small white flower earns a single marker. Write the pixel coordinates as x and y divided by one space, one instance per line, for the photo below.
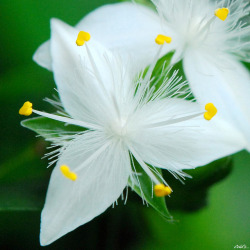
126 119
209 47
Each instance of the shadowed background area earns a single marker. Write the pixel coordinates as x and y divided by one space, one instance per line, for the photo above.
222 223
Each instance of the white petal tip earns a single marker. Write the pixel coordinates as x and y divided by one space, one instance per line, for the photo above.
43 241
49 232
47 237
42 56
54 21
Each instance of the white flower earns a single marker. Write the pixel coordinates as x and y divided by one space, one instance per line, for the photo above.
209 47
126 119
211 37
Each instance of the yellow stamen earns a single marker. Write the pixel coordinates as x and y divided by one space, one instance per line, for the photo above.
161 190
222 13
82 38
26 109
160 39
211 111
67 173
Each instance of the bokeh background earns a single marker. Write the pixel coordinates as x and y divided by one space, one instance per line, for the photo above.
222 224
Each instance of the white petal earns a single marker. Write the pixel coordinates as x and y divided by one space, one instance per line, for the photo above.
100 182
42 56
125 27
187 144
225 83
82 78
65 57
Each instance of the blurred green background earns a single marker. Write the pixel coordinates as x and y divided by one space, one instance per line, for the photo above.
223 224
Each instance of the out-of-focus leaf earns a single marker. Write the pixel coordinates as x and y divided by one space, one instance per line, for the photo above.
26 24
25 166
17 86
247 65
49 128
158 203
23 180
192 195
23 175
22 196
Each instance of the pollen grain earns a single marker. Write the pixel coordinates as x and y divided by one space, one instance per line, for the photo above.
222 13
26 109
82 38
161 190
67 173
211 111
161 39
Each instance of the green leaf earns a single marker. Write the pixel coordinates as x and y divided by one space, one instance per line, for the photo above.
49 128
143 2
161 65
163 69
193 195
158 203
247 64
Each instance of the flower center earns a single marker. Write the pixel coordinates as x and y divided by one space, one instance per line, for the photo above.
200 31
119 128
197 32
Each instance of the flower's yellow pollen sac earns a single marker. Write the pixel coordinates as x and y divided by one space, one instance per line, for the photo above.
67 173
222 13
26 109
160 39
211 111
82 38
161 190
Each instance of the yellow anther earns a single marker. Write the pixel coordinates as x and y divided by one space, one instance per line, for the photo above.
160 39
161 190
82 38
222 13
26 109
67 173
211 111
